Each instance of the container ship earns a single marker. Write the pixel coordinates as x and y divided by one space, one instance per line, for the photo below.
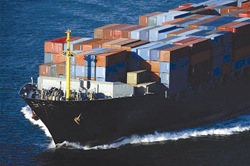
176 69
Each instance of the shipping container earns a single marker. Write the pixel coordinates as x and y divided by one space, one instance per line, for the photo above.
112 73
98 32
136 34
160 32
108 32
75 42
174 53
108 44
44 69
143 20
111 58
136 77
58 58
60 68
48 57
153 66
155 52
56 46
128 47
168 67
79 46
123 43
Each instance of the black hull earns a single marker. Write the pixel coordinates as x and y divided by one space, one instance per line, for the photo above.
103 121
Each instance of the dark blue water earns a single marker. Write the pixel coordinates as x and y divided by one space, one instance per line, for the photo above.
25 25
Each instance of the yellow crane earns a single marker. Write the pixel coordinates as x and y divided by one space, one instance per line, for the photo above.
68 55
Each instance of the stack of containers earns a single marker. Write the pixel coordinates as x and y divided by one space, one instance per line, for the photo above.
220 51
158 19
144 20
111 66
141 33
174 69
115 31
89 44
199 59
54 48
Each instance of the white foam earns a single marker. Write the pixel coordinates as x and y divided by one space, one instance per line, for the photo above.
234 126
28 115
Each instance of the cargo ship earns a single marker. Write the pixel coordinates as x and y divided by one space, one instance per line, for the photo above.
183 68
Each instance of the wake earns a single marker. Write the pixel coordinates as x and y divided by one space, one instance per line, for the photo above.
226 128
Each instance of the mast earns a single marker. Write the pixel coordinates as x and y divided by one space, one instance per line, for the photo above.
68 56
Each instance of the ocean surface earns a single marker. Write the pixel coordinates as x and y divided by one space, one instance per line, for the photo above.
25 25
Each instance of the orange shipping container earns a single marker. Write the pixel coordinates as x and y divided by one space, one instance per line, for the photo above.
153 66
196 25
121 31
111 58
58 58
78 46
60 68
98 32
108 32
143 20
80 59
122 43
108 44
229 9
174 53
225 26
242 28
245 4
173 21
44 69
176 33
56 46
94 44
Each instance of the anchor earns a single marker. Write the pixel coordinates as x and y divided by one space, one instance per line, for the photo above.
78 119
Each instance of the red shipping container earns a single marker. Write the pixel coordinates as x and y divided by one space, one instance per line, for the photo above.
244 14
186 5
56 46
